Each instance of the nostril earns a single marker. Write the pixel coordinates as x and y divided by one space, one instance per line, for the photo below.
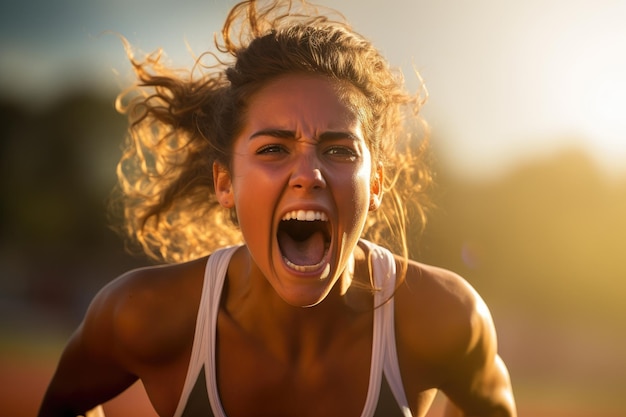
308 179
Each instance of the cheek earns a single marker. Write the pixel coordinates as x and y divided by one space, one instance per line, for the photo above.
255 190
360 192
362 184
364 177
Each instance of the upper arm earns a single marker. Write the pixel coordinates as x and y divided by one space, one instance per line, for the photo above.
450 336
477 380
90 370
136 327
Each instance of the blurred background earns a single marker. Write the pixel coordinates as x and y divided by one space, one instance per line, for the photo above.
528 123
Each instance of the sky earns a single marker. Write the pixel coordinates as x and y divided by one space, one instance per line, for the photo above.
509 81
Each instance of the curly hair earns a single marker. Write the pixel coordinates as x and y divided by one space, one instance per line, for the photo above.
181 122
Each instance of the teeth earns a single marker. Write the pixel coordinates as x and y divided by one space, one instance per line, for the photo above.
305 216
302 268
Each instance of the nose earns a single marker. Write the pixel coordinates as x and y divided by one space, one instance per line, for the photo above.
306 173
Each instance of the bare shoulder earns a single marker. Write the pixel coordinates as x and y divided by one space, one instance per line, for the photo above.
443 305
144 318
446 339
149 312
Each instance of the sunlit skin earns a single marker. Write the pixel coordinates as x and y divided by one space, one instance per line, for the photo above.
300 149
290 342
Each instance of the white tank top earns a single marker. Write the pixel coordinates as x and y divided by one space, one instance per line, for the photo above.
384 355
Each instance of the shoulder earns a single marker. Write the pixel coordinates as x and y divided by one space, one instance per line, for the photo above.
147 314
446 339
139 322
441 318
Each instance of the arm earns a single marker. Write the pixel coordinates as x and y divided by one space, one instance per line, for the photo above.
478 382
446 339
135 328
89 371
502 404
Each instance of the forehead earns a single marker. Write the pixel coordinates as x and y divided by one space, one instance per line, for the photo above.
303 99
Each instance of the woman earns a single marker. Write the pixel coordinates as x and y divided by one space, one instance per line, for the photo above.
299 140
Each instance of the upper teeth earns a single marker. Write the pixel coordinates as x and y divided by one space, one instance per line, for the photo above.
305 215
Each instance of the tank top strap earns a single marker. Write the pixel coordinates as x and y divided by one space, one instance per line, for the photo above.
202 360
384 353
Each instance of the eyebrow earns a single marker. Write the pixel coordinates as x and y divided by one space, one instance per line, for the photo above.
289 134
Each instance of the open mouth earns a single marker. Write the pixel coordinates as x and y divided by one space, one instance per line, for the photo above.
304 239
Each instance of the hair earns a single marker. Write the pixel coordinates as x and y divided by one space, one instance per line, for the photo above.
181 122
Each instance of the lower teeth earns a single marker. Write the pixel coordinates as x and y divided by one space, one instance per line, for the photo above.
303 268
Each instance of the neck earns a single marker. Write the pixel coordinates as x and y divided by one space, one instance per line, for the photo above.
292 333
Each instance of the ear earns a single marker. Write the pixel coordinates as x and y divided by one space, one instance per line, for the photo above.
223 185
376 188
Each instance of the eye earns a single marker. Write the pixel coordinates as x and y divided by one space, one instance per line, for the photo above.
270 149
342 152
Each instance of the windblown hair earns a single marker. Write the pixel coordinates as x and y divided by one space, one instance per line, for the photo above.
181 122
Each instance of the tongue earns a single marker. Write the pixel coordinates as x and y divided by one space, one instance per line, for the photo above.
309 251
